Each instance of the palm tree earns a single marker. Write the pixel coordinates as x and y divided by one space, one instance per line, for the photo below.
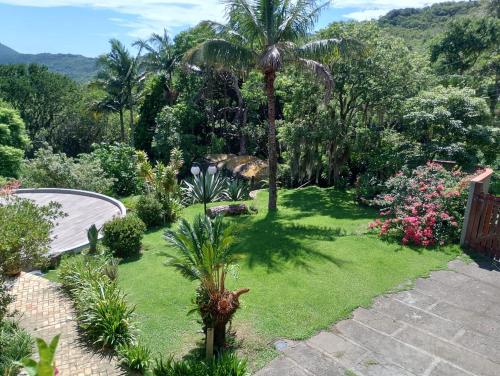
118 76
160 58
264 34
205 256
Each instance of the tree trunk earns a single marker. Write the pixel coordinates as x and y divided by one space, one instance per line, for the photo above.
132 127
270 76
122 126
219 336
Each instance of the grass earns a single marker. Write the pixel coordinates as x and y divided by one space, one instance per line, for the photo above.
308 265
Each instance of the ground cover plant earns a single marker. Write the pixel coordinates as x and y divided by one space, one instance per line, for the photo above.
307 265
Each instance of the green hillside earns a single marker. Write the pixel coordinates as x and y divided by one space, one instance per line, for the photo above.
79 68
419 25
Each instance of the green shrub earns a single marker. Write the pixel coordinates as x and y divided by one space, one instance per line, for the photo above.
25 230
102 311
119 162
13 140
123 235
15 344
136 357
10 161
150 211
226 365
56 170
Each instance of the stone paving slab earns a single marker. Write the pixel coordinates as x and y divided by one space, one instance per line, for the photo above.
45 311
447 325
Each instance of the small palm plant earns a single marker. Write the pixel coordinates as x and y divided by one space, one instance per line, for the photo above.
205 255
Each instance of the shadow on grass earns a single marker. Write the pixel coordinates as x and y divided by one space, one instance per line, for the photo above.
327 202
272 243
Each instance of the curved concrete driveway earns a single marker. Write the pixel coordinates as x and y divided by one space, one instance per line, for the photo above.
83 209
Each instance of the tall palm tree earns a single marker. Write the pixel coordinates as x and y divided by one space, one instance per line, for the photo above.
118 76
264 34
160 58
204 249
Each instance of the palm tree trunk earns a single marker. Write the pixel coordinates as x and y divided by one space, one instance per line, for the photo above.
132 127
131 109
270 76
122 126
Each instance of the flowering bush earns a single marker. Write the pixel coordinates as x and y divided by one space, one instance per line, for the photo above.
424 207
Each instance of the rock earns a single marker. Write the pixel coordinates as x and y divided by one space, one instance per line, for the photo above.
236 209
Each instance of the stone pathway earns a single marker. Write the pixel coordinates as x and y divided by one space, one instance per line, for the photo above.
447 325
45 312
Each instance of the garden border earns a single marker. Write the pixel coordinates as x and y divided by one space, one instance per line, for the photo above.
76 192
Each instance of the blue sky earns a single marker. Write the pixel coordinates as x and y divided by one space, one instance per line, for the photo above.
85 26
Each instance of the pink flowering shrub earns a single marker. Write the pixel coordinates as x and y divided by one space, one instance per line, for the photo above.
424 207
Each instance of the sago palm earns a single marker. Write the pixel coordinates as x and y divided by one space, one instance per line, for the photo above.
204 255
264 34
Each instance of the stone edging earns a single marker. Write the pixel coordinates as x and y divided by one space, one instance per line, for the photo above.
79 247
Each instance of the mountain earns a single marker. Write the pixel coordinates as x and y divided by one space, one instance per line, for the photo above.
78 67
419 25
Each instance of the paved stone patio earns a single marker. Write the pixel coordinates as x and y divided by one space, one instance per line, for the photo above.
45 312
447 325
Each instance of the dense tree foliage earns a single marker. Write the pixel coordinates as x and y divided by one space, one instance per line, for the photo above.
13 141
417 85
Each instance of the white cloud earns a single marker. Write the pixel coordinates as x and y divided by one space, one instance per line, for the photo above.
153 15
365 15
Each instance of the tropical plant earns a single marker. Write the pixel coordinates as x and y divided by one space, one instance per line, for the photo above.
237 190
123 235
228 364
204 255
101 308
26 232
161 182
423 207
93 238
135 357
15 345
160 58
263 34
118 76
204 188
45 365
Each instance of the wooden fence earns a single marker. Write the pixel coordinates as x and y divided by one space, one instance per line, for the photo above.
481 228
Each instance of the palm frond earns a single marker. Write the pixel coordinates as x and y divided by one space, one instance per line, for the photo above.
300 18
221 53
244 20
321 72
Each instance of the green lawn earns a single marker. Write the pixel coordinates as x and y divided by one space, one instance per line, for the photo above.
307 266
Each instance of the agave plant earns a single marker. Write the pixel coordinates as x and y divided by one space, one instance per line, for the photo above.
237 190
204 189
204 255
